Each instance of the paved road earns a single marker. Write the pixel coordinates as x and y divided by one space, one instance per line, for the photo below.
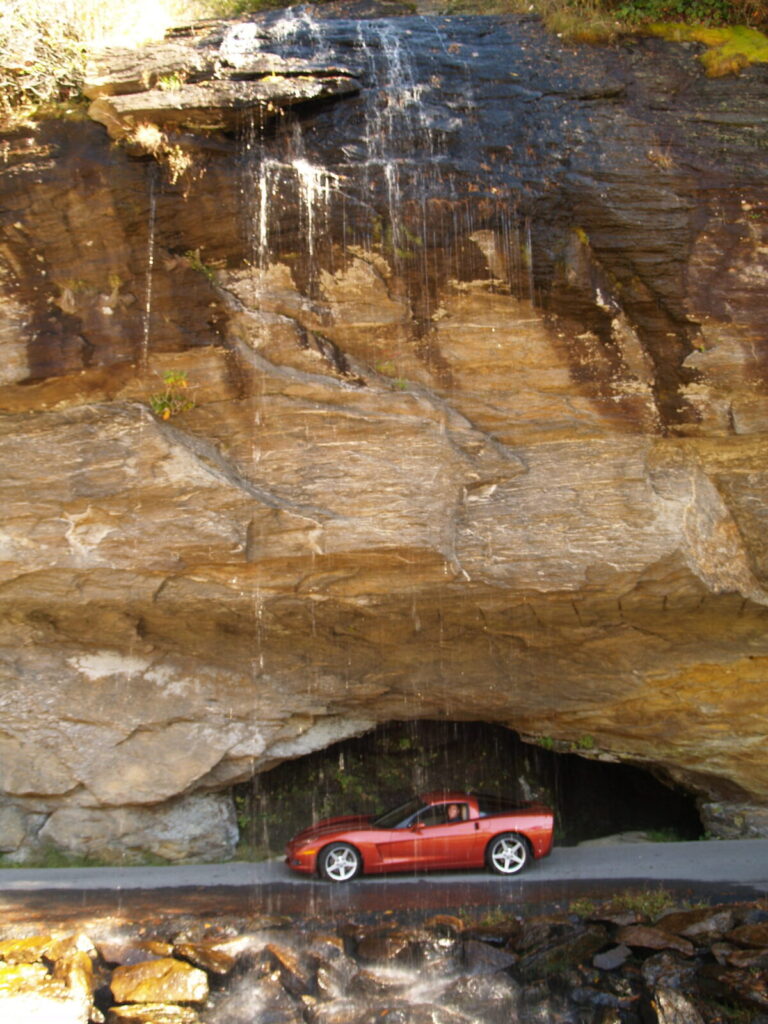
729 862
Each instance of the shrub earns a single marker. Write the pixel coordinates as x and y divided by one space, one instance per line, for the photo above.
703 11
44 45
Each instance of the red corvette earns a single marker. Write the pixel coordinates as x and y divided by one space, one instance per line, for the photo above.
442 830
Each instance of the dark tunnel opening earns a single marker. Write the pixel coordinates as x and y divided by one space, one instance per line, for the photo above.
591 799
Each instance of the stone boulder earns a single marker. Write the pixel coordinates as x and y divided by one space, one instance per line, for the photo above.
159 981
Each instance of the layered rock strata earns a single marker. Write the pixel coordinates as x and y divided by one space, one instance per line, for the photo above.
469 326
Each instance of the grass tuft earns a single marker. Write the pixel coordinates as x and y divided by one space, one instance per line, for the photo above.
649 903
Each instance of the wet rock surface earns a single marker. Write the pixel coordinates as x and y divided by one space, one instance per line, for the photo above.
311 971
477 424
156 981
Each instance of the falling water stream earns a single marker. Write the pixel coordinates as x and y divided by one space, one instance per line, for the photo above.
395 166
152 180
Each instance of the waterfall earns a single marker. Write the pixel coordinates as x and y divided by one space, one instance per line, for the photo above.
150 265
394 164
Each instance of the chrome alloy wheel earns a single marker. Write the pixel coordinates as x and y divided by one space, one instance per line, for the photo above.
339 862
508 854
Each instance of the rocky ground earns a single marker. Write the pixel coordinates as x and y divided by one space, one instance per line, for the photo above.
635 959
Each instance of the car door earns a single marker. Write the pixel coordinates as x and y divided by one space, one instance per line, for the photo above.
430 840
445 842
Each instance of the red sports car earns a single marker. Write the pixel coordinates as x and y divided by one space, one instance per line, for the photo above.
441 830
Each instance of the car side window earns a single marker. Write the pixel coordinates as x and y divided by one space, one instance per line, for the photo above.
455 813
443 814
434 815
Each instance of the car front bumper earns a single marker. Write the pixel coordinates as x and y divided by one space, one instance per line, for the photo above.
296 861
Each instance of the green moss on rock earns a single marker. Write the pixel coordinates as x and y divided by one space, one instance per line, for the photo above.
729 48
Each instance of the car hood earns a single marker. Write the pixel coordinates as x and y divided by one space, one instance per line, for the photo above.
328 826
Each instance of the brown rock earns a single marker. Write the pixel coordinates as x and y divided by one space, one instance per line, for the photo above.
611 958
159 981
568 951
748 958
482 958
205 955
672 1007
291 967
26 951
267 993
445 923
29 992
125 952
372 984
338 1011
742 987
721 951
75 970
734 820
152 1013
668 970
703 925
393 945
211 106
646 937
539 929
750 935
484 997
508 932
333 969
23 976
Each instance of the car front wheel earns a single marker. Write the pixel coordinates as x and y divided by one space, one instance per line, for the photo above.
339 862
507 854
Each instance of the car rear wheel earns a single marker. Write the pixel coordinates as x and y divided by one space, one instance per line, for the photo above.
339 862
507 854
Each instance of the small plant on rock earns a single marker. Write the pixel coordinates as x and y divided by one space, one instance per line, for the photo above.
170 83
650 903
174 398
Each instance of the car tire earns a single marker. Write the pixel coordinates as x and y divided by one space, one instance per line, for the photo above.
507 854
339 862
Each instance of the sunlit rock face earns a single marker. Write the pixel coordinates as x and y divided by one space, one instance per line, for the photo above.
472 327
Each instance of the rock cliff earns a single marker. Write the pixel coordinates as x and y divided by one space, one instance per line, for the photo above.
459 336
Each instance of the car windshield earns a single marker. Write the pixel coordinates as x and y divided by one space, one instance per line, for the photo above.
398 816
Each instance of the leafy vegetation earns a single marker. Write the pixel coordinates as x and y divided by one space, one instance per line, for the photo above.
729 48
170 83
196 263
623 14
50 856
665 835
174 398
585 742
712 12
583 906
45 43
650 903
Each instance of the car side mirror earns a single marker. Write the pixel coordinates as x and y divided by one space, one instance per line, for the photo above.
417 826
